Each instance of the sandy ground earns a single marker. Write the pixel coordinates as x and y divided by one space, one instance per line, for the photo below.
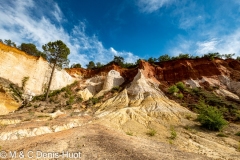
95 141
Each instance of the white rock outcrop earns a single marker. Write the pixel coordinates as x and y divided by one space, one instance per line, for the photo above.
28 95
231 85
85 94
56 114
192 83
141 103
113 79
23 133
92 87
9 121
226 93
211 81
141 88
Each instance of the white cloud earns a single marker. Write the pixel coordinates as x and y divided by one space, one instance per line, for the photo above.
57 13
224 44
186 22
20 23
128 56
149 6
230 43
207 46
189 14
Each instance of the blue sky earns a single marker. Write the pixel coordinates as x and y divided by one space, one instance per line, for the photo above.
99 29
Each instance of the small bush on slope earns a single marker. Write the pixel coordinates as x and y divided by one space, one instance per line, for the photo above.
173 89
210 117
180 96
181 86
151 132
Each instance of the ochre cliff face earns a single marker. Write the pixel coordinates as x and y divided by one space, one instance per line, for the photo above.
15 65
7 104
171 71
178 70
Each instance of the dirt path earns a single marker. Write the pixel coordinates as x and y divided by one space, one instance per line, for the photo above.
98 142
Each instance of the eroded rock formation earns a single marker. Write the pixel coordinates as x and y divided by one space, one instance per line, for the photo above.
15 65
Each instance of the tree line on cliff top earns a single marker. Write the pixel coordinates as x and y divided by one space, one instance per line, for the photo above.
31 49
163 58
28 48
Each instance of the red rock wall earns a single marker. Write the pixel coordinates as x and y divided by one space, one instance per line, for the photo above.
171 71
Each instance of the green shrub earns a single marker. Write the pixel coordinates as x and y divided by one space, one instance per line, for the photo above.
180 96
180 85
173 134
75 83
94 100
63 89
39 98
67 90
116 89
79 99
16 90
196 91
129 133
188 116
221 135
54 93
211 118
238 133
24 81
51 100
173 89
238 148
70 101
151 132
69 107
187 127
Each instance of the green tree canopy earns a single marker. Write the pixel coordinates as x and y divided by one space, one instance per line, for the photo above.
152 60
137 62
31 49
119 60
98 65
164 58
211 56
78 65
228 56
57 53
91 65
10 43
181 56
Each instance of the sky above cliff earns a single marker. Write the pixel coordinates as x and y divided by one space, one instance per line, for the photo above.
99 29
